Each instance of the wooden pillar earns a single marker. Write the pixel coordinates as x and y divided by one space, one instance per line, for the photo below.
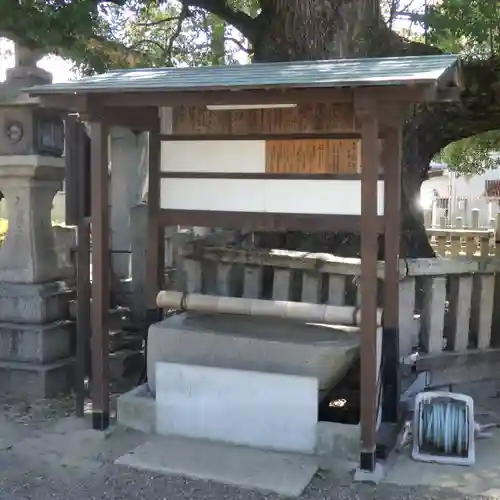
100 275
370 156
391 160
77 183
156 240
83 311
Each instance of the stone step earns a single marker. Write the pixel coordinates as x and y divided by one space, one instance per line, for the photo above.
285 474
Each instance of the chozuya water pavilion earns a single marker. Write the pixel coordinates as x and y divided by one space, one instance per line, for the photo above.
307 146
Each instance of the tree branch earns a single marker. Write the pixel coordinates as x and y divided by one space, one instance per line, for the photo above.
477 112
241 21
183 15
239 43
158 21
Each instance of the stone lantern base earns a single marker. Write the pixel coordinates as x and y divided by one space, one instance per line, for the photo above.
37 339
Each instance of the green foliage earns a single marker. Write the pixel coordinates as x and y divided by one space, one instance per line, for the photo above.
473 155
104 34
99 35
467 26
472 28
170 35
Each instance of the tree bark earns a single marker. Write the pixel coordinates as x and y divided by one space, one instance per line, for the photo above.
318 29
323 29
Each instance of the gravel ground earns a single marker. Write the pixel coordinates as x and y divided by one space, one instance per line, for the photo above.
28 478
46 453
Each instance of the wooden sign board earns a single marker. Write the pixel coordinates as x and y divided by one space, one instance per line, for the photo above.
312 156
303 119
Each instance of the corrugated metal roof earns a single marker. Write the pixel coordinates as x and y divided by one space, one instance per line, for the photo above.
329 73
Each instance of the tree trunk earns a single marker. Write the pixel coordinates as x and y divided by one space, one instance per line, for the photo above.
323 29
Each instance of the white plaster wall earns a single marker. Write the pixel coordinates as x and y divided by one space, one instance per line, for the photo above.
440 184
306 196
214 156
470 187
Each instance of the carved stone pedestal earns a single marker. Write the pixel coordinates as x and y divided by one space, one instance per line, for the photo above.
36 338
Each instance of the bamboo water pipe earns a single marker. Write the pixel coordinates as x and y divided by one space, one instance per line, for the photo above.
301 311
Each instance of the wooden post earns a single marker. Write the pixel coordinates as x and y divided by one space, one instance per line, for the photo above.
433 314
83 315
391 159
370 160
407 340
100 276
156 241
336 289
460 311
497 235
76 165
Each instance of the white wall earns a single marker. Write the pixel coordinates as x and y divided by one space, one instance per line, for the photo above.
303 196
247 157
470 187
306 196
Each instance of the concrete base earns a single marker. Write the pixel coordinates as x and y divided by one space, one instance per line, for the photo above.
372 477
36 343
338 440
259 344
248 408
136 410
282 473
34 380
34 303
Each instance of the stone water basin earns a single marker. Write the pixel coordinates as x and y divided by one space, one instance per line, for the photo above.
270 345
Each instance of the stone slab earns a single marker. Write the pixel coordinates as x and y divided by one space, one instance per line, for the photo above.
248 343
36 381
34 303
36 343
136 409
282 473
263 410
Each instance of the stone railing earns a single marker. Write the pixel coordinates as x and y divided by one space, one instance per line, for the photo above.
454 239
446 305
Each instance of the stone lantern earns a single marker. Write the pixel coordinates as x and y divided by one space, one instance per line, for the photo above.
35 338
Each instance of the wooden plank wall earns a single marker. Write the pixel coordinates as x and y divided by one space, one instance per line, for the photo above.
318 156
320 118
312 156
